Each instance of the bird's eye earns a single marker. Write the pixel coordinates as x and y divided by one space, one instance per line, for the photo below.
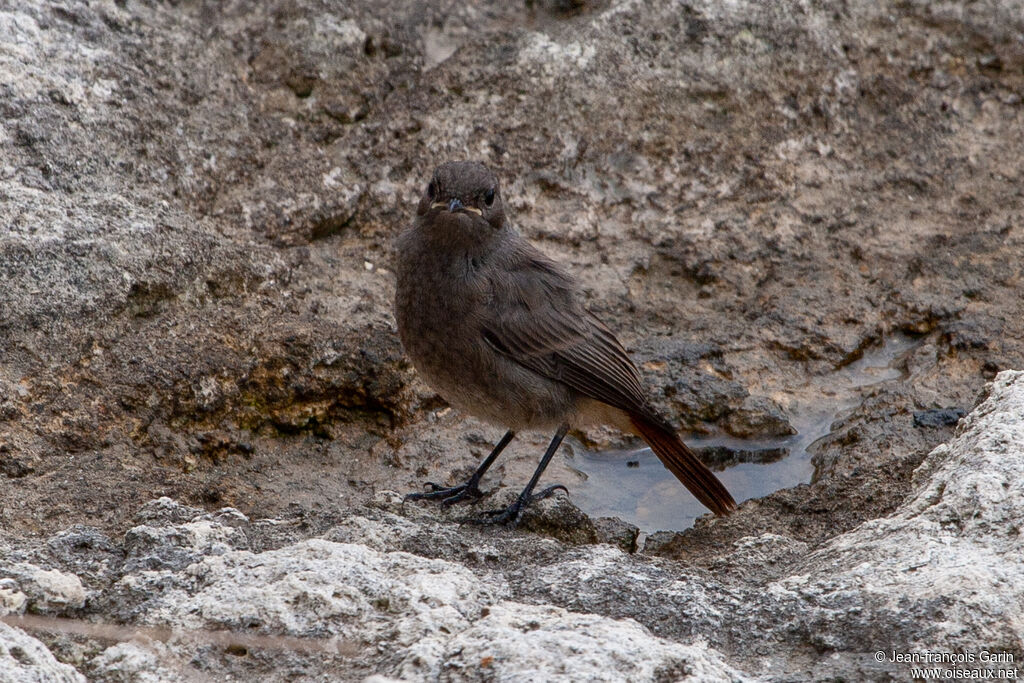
432 190
489 197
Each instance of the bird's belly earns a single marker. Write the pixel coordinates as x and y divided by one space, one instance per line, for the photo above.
497 390
452 357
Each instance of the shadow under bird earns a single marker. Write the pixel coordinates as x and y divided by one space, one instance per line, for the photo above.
498 329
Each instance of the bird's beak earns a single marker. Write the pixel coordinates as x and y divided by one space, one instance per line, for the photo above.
456 205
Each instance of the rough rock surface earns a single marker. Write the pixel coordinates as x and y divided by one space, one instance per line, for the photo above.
390 591
196 205
24 659
45 590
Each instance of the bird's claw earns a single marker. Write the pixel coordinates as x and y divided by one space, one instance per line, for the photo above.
448 495
548 491
514 512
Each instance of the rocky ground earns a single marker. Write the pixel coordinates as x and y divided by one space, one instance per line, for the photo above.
197 201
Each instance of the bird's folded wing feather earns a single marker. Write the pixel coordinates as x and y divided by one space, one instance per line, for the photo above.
537 321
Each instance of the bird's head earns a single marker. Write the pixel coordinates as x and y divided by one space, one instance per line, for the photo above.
464 194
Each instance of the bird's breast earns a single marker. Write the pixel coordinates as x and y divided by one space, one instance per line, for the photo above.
439 305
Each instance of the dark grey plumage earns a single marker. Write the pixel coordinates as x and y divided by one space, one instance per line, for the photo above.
498 329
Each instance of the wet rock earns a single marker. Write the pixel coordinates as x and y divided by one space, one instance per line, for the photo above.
965 492
718 458
407 594
758 417
889 561
702 398
938 417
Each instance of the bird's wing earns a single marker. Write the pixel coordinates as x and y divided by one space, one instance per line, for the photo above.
536 320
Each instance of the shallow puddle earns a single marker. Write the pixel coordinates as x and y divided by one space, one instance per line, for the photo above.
636 487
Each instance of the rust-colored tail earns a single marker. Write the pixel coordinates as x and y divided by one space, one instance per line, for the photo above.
682 462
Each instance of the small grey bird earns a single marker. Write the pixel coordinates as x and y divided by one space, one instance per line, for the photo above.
497 328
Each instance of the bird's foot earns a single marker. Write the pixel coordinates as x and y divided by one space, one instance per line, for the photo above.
448 495
514 512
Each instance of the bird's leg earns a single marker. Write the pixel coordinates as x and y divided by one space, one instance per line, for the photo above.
513 512
471 489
